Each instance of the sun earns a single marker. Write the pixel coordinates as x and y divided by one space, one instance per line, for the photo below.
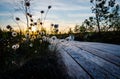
34 29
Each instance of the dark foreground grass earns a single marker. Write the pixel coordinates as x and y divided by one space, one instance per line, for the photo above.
44 67
36 62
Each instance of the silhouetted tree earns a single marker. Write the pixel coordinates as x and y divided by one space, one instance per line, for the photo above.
89 24
77 29
114 18
102 10
70 31
82 29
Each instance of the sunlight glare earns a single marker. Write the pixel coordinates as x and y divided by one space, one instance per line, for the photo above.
34 29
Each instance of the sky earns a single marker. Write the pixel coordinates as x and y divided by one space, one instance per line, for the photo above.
66 13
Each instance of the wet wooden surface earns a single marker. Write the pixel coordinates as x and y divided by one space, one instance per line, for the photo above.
85 60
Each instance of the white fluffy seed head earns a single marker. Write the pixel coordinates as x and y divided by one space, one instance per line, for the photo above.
35 51
13 62
8 46
53 37
31 45
40 41
14 47
44 38
17 46
27 35
14 34
24 39
38 36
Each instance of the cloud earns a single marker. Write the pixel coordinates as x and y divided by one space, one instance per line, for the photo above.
80 15
9 1
4 14
58 5
63 12
81 1
49 17
67 8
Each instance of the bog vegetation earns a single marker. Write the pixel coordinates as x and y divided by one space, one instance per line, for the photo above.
27 55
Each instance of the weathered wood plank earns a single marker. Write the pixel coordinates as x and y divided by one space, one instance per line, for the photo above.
107 48
74 70
101 62
92 68
107 56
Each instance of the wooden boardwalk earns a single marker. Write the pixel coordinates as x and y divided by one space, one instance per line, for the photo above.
85 60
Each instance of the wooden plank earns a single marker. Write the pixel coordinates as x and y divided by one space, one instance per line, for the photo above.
74 70
101 62
92 68
107 48
115 50
107 56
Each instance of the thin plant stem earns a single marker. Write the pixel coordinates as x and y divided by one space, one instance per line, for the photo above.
45 16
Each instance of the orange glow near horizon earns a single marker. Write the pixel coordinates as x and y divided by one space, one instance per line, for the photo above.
63 28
